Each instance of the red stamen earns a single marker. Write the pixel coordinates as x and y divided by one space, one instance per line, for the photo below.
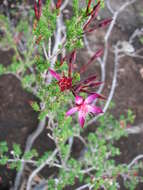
65 83
93 14
95 56
99 95
93 84
62 60
104 23
95 10
71 61
89 79
89 3
58 4
80 85
101 24
88 22
38 9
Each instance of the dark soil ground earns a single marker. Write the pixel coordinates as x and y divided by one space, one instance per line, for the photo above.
18 120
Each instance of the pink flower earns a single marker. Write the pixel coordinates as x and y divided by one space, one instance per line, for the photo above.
83 107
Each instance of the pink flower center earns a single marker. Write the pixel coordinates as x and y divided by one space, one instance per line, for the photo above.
79 100
65 83
83 108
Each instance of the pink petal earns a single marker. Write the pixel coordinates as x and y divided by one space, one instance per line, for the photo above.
95 109
81 118
71 111
79 100
91 98
54 74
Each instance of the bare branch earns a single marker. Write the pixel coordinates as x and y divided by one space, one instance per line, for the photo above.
37 170
105 57
136 159
45 52
30 140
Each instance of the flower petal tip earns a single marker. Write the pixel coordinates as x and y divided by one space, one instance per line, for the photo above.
54 74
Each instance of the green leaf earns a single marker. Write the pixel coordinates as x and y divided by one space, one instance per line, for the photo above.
17 149
3 160
35 106
3 147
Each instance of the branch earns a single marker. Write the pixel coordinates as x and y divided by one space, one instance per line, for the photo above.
108 4
30 140
45 52
107 36
83 187
58 41
135 160
63 6
105 57
37 170
113 86
135 129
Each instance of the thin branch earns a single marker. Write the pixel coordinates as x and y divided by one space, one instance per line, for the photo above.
83 187
108 35
49 47
113 86
37 170
136 33
45 52
135 160
70 141
30 140
63 6
22 161
58 42
108 4
105 57
135 129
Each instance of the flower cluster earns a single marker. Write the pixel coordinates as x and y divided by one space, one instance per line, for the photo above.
67 82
